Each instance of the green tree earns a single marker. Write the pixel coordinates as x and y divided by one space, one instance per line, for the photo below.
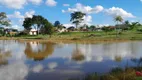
77 18
39 23
3 19
57 23
92 27
118 19
27 23
134 25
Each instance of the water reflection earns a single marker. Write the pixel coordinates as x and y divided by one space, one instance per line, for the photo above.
62 61
4 55
77 55
38 51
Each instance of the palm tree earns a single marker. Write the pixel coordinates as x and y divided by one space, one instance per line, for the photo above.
77 17
118 19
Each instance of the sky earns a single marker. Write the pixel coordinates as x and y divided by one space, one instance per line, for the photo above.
99 12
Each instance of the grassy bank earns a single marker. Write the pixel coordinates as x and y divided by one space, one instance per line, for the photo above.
83 37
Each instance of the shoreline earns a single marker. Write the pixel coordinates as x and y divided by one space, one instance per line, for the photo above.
85 41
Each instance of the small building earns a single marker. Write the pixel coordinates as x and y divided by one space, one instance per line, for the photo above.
33 32
62 30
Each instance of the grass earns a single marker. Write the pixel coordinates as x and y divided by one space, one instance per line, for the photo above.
139 78
97 36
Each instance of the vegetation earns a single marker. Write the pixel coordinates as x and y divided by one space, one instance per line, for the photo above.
3 19
77 18
39 23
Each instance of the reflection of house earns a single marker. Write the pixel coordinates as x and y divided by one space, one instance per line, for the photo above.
33 32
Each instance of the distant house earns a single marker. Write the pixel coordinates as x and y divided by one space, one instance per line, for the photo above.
62 30
33 32
72 28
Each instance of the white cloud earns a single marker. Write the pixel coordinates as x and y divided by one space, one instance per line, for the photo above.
30 13
115 11
36 2
15 71
52 65
87 19
85 9
51 3
17 27
37 68
16 4
66 5
140 0
16 14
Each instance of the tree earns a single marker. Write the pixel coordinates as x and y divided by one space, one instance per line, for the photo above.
77 17
118 19
92 27
38 22
3 19
57 23
49 29
134 25
27 23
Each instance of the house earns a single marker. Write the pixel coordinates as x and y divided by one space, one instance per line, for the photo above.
33 32
62 30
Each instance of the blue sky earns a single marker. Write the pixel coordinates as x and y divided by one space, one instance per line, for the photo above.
99 12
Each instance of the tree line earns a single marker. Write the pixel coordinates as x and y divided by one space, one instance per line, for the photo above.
43 26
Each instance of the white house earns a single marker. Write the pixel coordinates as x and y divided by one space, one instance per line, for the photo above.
33 32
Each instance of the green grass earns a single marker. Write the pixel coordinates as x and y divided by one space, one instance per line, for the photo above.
139 78
88 36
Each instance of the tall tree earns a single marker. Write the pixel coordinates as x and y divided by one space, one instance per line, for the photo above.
118 19
3 19
38 22
77 18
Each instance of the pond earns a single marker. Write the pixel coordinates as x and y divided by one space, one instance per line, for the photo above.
21 60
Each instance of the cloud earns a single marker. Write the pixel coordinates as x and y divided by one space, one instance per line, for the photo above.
17 27
115 11
52 65
30 13
140 0
66 5
85 9
36 2
15 71
87 20
37 68
16 14
20 17
16 4
68 25
51 3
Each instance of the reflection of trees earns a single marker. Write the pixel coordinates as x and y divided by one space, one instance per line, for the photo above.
4 56
47 49
118 58
137 61
77 54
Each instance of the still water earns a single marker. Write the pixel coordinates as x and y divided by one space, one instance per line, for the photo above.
58 61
